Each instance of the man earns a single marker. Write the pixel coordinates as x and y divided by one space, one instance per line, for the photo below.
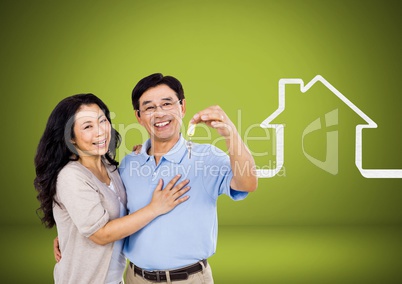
175 246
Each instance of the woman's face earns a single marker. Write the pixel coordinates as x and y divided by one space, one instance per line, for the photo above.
92 131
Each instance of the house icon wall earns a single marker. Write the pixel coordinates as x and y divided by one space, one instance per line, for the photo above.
279 130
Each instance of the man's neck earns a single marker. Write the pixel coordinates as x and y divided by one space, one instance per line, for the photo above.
160 147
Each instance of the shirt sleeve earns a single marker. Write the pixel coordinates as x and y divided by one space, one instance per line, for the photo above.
219 175
80 197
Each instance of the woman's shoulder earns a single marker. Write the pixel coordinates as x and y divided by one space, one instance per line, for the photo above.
110 167
74 169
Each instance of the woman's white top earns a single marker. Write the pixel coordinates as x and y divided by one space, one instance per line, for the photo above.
118 261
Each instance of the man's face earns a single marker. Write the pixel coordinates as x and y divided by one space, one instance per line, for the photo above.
161 113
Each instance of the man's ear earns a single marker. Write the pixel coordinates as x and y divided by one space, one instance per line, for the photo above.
183 107
137 115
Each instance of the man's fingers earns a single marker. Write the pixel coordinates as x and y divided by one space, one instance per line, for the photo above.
216 124
213 116
213 113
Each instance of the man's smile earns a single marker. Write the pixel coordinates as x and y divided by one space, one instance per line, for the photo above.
162 124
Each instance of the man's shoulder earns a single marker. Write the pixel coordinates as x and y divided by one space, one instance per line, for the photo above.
131 158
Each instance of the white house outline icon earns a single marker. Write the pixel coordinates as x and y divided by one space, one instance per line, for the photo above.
368 173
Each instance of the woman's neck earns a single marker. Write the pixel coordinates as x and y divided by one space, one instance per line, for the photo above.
96 166
92 162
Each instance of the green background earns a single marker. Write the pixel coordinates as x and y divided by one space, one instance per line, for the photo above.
304 226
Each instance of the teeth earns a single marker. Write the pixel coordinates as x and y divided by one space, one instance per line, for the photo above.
101 143
161 124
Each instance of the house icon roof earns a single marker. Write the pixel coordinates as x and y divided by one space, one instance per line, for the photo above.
369 123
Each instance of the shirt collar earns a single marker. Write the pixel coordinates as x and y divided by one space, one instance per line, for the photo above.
175 155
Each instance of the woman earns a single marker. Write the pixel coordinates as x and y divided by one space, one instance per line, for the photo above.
80 192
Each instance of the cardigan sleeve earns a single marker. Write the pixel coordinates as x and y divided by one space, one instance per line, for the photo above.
76 193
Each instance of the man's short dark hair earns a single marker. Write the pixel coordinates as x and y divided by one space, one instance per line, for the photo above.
152 81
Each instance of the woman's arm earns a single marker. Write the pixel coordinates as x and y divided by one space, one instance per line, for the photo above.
163 201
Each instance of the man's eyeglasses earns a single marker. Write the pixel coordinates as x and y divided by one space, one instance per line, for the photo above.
152 108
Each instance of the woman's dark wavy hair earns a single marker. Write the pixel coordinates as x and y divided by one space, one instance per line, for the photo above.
55 150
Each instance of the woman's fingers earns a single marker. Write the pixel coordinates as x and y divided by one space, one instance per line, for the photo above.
172 182
181 192
56 249
137 149
180 185
173 191
159 185
177 191
181 200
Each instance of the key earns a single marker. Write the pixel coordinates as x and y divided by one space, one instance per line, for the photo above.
189 146
190 133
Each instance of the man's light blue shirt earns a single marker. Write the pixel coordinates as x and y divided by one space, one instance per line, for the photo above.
188 233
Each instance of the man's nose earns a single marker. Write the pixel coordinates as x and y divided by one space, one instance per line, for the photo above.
159 111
